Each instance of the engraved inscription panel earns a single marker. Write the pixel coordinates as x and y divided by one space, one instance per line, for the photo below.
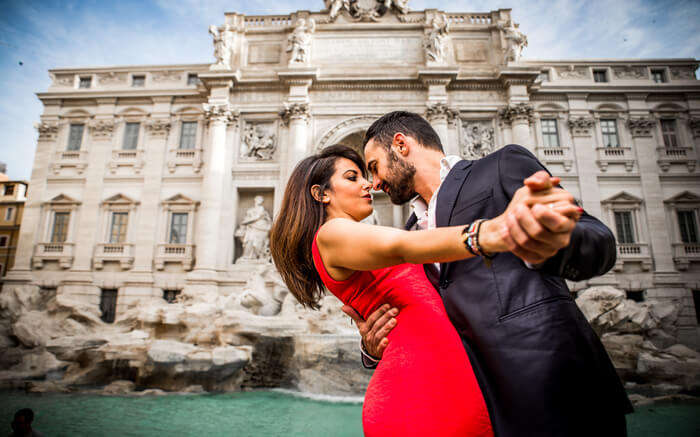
264 54
471 50
375 50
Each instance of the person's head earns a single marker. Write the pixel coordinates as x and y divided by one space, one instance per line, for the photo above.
391 146
22 423
326 185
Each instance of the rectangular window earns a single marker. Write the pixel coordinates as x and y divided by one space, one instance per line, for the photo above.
4 241
138 81
8 214
178 228
117 232
108 304
131 136
658 76
170 296
623 224
85 82
75 136
188 134
600 76
668 129
59 232
550 135
688 226
192 79
9 190
609 130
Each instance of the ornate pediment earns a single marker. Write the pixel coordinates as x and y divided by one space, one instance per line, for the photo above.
63 199
119 199
179 199
623 198
686 197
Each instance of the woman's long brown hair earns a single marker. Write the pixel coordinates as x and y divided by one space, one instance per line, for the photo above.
300 217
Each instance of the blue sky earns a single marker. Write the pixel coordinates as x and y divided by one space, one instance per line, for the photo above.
51 34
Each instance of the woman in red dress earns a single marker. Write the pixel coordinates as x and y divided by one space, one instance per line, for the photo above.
424 384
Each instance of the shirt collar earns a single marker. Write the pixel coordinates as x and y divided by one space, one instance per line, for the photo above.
418 205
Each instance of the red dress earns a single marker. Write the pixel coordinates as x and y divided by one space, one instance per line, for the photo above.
424 384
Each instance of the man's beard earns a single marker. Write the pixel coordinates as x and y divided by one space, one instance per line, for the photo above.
400 183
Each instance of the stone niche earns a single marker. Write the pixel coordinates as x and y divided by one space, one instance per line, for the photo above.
253 218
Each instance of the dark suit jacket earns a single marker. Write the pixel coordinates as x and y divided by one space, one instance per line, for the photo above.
542 369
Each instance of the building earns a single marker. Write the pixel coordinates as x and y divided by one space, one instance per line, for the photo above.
151 180
13 194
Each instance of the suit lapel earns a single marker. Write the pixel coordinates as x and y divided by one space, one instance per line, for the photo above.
447 199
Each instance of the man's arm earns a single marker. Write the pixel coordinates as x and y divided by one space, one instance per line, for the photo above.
590 246
373 332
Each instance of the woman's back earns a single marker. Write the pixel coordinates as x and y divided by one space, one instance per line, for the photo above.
424 384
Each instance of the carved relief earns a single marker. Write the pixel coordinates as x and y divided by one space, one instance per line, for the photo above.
299 42
166 76
365 10
112 78
439 111
517 112
630 72
47 131
335 6
572 72
64 79
641 127
295 111
101 128
581 126
436 41
477 139
158 127
259 141
223 47
682 73
254 233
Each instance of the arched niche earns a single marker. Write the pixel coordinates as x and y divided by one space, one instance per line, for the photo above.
349 132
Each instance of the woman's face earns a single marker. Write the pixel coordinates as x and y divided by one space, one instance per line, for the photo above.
349 195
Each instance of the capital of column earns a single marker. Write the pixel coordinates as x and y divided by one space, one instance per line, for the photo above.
158 127
295 111
519 112
47 130
641 127
103 128
222 113
581 126
439 111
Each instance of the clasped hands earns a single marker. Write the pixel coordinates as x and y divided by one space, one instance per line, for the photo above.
537 223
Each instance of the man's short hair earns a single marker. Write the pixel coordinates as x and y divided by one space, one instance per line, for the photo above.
413 125
27 413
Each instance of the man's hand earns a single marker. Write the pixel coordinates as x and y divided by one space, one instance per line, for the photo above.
375 329
534 229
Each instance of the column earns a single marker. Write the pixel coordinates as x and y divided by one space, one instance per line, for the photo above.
216 177
296 117
439 115
518 116
398 220
581 126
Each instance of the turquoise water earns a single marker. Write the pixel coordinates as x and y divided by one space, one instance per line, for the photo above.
260 413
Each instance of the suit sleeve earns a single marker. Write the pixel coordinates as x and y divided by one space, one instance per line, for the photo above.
592 251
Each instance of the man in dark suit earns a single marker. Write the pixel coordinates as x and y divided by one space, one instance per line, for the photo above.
541 368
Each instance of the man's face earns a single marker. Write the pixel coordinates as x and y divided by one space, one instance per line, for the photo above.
390 172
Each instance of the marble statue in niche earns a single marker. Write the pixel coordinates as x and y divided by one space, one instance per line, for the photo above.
254 234
299 41
222 47
435 44
258 142
477 140
516 41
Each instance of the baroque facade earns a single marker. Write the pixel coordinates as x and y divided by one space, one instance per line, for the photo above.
13 194
154 180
